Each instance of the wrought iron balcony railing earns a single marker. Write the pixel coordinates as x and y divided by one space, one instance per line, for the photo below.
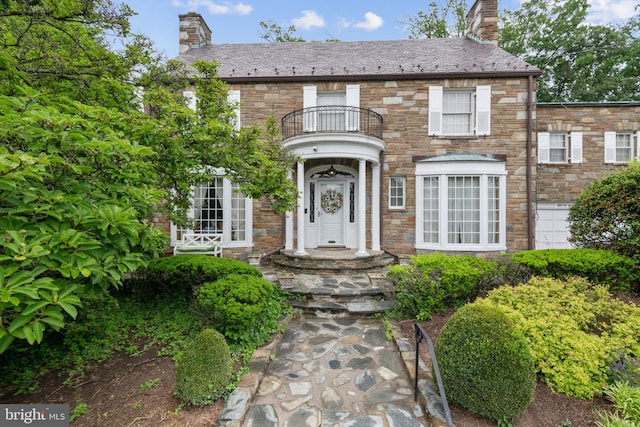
332 118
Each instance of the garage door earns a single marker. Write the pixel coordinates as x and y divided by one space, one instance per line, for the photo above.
552 227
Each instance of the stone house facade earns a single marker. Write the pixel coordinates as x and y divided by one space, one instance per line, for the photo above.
408 146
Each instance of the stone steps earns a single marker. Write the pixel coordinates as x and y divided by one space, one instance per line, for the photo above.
337 290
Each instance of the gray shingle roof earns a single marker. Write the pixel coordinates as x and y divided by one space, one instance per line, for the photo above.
411 58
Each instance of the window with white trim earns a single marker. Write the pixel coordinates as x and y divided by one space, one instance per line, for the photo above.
619 147
219 207
461 206
559 147
397 189
460 111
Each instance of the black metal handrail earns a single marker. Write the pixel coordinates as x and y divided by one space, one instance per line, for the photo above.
332 118
420 334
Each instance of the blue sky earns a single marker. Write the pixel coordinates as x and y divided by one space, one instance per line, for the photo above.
347 20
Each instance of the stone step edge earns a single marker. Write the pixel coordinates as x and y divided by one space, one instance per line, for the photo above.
428 394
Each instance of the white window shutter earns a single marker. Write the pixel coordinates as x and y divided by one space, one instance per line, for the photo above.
310 100
483 110
352 99
233 97
191 99
576 147
634 137
543 147
609 147
435 110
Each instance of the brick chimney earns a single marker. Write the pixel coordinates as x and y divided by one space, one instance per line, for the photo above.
194 32
482 21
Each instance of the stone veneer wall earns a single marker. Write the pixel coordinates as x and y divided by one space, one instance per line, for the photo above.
564 182
404 107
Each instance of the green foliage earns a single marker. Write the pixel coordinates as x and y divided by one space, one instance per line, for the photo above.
599 266
272 32
183 274
244 308
485 362
606 215
204 369
104 326
580 61
624 369
83 170
449 21
626 400
573 329
150 384
437 281
80 409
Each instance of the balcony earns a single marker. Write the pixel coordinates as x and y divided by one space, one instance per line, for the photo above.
332 119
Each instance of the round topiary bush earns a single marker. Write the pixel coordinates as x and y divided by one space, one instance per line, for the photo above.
485 362
244 308
204 369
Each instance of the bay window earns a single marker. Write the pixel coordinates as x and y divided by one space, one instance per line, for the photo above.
460 205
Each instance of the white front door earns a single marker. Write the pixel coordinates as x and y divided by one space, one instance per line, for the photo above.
331 213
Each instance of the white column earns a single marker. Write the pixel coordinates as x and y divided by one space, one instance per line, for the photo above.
300 251
362 208
288 226
375 207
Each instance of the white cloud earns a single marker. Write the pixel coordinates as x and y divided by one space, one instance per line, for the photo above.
371 22
611 11
309 19
214 8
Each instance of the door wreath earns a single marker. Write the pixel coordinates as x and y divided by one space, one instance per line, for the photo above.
331 201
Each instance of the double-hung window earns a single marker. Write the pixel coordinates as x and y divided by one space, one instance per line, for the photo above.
461 205
397 190
618 147
559 147
219 207
460 112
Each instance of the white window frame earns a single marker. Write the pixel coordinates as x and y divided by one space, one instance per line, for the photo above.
397 184
439 173
229 239
572 147
611 147
479 116
311 121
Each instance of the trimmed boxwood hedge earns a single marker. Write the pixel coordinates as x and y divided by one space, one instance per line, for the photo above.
204 369
185 273
617 272
485 362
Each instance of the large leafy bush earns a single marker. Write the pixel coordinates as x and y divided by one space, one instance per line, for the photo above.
204 369
436 281
485 362
574 329
598 266
243 307
185 273
606 215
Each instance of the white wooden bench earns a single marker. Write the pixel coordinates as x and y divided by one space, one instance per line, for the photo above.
200 244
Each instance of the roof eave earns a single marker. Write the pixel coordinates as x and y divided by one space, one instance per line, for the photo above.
369 77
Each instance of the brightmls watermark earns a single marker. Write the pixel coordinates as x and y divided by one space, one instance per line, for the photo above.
34 415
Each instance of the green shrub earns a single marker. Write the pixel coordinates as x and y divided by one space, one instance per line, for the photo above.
185 273
244 308
606 215
573 329
436 281
599 266
485 362
626 400
204 369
